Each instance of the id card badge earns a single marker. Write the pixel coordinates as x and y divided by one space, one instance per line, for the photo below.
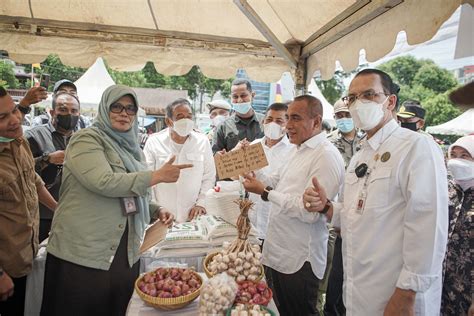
361 202
129 206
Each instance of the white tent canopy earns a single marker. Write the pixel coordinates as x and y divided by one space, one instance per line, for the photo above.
92 84
461 125
328 109
264 37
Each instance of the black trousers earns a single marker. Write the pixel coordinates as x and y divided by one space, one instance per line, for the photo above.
297 293
71 289
334 304
44 228
15 305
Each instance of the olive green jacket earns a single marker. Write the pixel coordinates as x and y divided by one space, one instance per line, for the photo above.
88 223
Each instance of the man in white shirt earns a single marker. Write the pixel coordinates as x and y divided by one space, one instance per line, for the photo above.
277 149
296 242
185 198
394 214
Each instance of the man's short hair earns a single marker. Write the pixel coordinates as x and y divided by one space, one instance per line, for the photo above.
57 95
240 81
173 105
315 106
389 87
277 106
3 92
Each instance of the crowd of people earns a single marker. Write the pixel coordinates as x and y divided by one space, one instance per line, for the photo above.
371 219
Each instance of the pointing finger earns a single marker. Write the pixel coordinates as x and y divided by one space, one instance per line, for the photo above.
184 166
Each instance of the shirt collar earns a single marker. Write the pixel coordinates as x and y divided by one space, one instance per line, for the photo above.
382 134
314 141
5 146
239 119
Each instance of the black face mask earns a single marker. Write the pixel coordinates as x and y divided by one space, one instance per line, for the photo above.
411 126
67 122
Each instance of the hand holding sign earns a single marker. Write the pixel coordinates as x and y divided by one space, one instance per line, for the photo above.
315 198
240 161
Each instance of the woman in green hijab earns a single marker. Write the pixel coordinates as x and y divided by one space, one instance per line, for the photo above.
104 208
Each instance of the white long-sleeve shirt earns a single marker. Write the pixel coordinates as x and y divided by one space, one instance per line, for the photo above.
193 183
399 239
277 157
294 235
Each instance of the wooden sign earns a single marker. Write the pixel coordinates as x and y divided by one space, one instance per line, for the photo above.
240 161
153 235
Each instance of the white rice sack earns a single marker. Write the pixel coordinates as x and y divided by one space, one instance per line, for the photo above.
188 234
222 203
217 227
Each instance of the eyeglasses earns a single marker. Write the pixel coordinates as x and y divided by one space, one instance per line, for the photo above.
364 97
129 109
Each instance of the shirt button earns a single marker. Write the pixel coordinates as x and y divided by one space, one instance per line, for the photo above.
112 248
118 161
121 226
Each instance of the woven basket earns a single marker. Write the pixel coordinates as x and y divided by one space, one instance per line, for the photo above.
168 303
208 259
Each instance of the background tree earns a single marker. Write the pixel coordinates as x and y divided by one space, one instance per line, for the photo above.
53 66
439 110
7 75
435 78
333 88
424 81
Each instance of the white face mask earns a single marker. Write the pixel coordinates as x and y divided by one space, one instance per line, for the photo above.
218 119
273 130
461 169
367 115
183 127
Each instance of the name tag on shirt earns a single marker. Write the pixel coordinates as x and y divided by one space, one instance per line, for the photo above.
129 206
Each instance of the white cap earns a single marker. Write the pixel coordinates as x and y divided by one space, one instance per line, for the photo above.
219 104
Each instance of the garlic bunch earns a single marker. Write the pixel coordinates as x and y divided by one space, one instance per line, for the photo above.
243 310
239 259
217 295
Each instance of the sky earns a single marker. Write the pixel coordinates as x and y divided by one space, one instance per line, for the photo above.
440 48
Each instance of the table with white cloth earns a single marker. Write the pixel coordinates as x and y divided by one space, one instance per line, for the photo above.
136 307
148 261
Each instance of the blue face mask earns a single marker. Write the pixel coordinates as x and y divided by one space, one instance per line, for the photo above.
345 125
242 108
6 140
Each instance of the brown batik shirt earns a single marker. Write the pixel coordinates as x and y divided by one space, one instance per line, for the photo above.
19 212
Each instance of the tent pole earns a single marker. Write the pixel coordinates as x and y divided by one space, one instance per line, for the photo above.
255 19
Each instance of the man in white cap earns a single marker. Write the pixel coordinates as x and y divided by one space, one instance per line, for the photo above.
219 111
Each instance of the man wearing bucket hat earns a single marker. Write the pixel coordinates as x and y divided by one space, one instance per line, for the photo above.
219 111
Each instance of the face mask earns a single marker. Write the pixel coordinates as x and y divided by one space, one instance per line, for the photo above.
410 126
67 122
242 108
367 115
461 169
218 119
6 140
345 125
183 127
273 130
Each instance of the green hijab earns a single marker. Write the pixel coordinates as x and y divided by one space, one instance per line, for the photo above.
126 144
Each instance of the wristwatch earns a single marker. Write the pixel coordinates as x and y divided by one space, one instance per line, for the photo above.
264 195
24 109
45 157
326 207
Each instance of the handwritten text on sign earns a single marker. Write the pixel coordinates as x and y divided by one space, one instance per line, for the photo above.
240 161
